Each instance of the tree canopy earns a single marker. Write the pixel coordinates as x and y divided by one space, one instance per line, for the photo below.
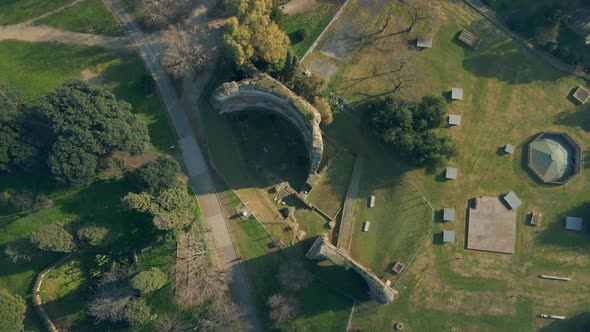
53 237
12 312
158 175
408 127
93 234
171 209
252 35
149 281
17 149
88 122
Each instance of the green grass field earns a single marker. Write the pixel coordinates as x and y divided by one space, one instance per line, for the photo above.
314 20
35 69
15 11
510 95
329 193
89 16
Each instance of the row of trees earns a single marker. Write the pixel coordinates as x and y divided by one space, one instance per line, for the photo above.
73 128
57 237
409 127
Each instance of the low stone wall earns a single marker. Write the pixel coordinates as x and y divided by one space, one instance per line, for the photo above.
265 93
323 249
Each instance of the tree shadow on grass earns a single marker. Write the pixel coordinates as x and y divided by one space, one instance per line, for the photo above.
510 63
557 235
332 289
580 118
101 202
579 322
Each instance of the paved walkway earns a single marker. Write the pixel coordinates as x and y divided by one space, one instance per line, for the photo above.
196 168
347 220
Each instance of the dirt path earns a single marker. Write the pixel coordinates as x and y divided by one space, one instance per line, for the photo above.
297 6
347 221
49 13
38 302
45 34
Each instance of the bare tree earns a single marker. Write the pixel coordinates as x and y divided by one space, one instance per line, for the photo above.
172 323
202 284
110 302
283 309
294 275
185 54
222 315
160 13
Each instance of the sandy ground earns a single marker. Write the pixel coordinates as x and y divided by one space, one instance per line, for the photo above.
296 6
46 34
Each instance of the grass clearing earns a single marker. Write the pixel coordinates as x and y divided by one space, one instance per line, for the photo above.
509 96
15 11
314 20
88 16
34 69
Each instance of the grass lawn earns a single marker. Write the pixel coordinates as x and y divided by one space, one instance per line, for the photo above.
510 95
314 20
34 69
15 11
329 193
89 16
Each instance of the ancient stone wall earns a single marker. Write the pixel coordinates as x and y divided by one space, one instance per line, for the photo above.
323 249
268 94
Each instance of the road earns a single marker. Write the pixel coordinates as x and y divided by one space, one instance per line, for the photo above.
195 165
347 220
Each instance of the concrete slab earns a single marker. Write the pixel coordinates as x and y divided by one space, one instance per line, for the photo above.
492 227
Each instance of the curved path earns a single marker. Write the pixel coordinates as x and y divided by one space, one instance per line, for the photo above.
199 177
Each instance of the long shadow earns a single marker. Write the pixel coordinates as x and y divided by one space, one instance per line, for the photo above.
580 322
556 234
332 290
500 57
580 118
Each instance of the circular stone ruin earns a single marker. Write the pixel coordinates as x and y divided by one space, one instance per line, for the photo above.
263 92
555 158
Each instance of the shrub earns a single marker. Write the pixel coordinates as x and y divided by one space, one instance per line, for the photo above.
325 110
158 175
93 234
148 281
301 35
21 250
53 237
137 312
